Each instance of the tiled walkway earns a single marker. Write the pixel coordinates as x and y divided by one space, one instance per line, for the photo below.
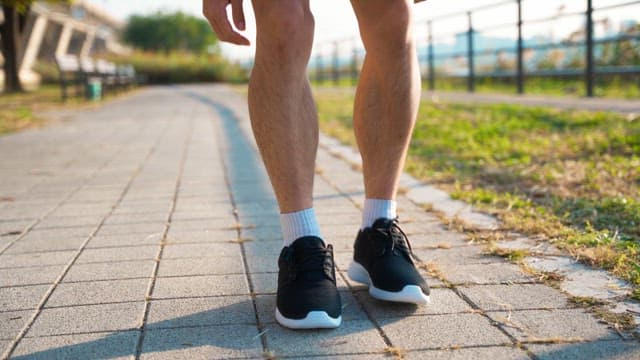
147 229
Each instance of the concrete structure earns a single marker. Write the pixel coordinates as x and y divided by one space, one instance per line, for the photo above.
146 229
55 29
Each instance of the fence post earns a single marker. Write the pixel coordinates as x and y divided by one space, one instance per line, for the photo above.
430 59
520 75
590 68
336 64
354 64
471 77
319 69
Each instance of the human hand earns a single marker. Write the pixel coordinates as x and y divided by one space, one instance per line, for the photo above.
216 12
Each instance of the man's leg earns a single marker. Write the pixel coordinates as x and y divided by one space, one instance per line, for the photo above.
285 125
283 114
388 93
385 110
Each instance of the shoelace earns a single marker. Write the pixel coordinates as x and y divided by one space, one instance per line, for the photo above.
394 238
311 260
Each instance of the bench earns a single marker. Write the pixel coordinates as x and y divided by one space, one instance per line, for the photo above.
80 72
70 75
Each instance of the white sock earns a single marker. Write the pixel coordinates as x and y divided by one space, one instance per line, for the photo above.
298 224
375 209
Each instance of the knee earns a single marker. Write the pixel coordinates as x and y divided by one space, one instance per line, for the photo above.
285 25
390 23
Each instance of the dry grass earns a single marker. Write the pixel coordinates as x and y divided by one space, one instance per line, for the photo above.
396 352
513 255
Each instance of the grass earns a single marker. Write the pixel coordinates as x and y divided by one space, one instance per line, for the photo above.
20 111
607 87
568 177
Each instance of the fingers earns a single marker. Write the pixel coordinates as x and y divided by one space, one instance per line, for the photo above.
238 14
216 12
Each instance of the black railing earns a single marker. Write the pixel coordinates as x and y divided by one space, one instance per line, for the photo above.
343 60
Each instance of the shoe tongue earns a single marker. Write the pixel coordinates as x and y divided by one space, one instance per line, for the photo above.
308 242
382 223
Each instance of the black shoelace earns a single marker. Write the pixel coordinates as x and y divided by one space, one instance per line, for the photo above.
319 259
393 238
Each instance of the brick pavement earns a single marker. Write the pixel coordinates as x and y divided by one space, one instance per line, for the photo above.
147 229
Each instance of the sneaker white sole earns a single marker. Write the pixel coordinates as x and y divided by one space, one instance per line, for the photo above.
313 320
409 294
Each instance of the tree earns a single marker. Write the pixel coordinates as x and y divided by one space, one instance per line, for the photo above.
169 32
12 32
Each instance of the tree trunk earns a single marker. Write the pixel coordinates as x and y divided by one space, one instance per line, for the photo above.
11 36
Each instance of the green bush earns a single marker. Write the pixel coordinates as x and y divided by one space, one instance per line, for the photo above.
184 68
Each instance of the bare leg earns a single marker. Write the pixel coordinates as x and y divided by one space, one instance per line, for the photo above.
283 114
388 93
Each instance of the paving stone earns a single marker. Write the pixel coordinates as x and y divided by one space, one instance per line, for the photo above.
87 318
212 250
47 234
98 292
117 254
4 345
437 239
138 228
46 245
582 280
209 342
437 331
30 275
202 214
21 297
35 259
13 226
264 233
346 356
500 272
210 285
443 301
610 350
124 240
255 249
351 337
201 236
466 255
202 266
207 311
116 345
263 264
536 325
110 271
491 352
515 296
11 322
351 309
57 222
209 224
154 217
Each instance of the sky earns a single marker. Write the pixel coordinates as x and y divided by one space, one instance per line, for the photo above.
335 19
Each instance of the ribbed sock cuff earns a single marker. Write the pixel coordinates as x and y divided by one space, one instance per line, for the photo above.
298 224
375 209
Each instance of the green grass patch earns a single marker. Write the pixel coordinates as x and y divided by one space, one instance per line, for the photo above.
610 86
20 111
570 177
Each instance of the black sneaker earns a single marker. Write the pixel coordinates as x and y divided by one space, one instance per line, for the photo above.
382 259
307 294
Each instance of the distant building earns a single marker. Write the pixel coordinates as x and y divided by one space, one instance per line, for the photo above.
81 29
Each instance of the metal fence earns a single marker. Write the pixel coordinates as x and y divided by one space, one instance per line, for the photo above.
340 60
